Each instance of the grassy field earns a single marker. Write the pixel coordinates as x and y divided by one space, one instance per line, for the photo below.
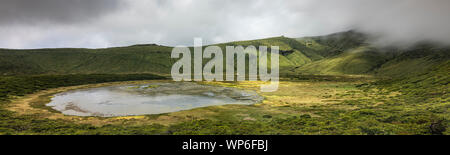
310 105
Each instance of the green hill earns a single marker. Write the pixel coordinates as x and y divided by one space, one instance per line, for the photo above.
132 59
360 60
335 54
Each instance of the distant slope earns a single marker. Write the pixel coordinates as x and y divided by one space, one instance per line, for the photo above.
360 60
292 52
132 59
418 60
335 54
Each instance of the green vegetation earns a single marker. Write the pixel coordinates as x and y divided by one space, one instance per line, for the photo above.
334 84
153 58
383 107
132 59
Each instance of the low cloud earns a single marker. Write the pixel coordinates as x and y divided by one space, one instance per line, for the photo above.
392 22
105 23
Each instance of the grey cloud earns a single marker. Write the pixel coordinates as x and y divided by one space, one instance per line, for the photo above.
391 22
53 11
62 23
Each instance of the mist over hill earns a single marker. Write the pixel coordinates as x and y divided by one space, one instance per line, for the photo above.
341 53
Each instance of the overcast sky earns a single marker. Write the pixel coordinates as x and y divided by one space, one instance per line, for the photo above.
107 23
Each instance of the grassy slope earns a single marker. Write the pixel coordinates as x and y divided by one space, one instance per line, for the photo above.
140 58
360 60
335 54
133 59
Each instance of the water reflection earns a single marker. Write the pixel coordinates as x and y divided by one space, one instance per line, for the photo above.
143 99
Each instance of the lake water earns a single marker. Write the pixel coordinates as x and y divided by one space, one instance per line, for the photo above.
154 98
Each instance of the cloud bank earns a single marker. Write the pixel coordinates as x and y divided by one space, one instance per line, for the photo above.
106 23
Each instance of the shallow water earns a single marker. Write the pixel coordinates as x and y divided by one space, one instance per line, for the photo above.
154 98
